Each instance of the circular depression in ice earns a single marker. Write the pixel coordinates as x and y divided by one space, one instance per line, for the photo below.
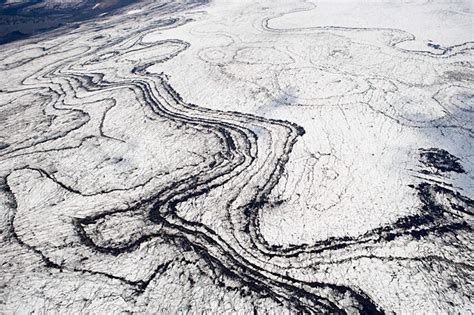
311 86
416 105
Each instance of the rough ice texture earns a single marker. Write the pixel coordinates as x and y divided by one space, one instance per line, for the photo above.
239 157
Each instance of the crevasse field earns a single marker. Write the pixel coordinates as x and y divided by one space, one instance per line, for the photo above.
224 156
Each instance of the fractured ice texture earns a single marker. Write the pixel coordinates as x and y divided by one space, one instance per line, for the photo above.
238 157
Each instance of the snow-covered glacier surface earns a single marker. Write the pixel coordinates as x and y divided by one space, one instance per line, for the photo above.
240 157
